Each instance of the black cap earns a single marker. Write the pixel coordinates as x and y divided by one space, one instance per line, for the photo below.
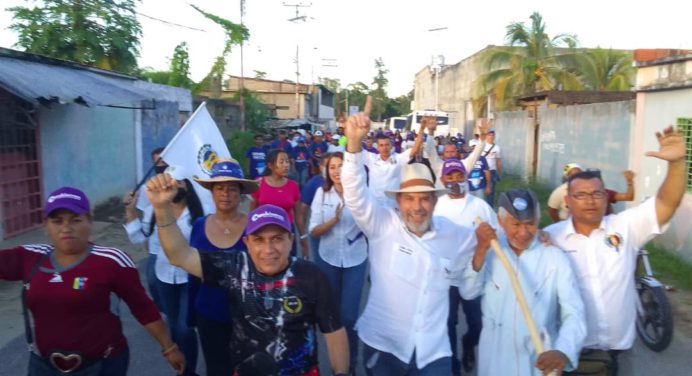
520 203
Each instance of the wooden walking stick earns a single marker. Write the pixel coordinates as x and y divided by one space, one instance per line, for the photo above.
535 338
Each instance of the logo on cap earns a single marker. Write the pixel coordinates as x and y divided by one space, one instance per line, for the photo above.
520 204
258 216
51 199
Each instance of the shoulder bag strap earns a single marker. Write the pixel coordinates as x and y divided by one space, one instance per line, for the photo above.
25 309
489 150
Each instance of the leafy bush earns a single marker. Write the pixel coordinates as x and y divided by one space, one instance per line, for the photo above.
238 144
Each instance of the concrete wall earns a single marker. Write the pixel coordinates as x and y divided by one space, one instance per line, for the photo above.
656 110
158 126
515 137
593 135
91 148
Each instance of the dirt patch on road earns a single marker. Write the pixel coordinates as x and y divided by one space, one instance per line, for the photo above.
681 302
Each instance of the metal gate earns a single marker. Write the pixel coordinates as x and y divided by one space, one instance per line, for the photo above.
20 177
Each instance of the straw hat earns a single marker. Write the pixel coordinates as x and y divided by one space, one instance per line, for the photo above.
228 170
416 177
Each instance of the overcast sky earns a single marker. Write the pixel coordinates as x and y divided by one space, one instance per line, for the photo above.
355 32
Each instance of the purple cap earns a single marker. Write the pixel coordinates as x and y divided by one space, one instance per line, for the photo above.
453 164
491 130
267 215
301 139
67 198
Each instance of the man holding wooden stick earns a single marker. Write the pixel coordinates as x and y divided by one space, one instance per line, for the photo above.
546 284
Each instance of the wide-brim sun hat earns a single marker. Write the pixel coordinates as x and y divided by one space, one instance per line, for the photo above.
416 178
228 170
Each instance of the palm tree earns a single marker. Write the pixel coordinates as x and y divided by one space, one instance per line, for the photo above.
603 70
529 64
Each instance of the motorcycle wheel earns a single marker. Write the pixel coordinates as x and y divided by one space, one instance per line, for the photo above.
655 322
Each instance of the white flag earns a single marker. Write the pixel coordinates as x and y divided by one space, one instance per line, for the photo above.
197 145
195 148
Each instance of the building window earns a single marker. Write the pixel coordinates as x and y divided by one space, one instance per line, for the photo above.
685 125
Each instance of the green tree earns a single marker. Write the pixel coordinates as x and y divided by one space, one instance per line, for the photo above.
398 106
180 67
157 77
235 34
379 92
256 111
355 95
528 65
603 70
260 75
104 34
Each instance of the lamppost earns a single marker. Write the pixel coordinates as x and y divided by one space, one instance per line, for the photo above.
296 19
436 64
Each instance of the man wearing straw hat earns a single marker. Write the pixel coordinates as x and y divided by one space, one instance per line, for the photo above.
414 258
549 287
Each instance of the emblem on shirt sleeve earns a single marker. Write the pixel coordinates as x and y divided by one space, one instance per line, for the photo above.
614 240
56 278
79 283
293 304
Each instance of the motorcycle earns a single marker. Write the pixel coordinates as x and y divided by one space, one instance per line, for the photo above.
654 314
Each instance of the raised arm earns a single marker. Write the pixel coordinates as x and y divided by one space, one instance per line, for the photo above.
629 194
161 189
471 159
357 196
672 149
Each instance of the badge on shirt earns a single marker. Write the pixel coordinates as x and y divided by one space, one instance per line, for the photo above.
79 283
56 278
293 304
614 240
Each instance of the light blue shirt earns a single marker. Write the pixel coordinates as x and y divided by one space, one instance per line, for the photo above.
553 297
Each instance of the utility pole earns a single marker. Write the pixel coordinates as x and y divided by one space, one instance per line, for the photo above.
297 19
242 75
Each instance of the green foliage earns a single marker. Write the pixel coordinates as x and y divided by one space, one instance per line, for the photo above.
260 75
238 144
603 70
356 94
157 77
670 268
530 63
256 112
180 67
379 93
235 34
398 106
97 33
333 84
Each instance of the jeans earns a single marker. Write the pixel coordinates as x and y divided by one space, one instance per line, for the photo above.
490 198
301 176
380 363
174 299
215 337
474 321
115 365
347 286
152 281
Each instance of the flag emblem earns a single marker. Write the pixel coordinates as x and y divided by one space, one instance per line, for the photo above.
206 157
79 283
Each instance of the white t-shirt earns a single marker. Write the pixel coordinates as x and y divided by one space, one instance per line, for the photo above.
492 153
557 201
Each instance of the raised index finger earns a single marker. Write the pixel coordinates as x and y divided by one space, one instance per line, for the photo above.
368 105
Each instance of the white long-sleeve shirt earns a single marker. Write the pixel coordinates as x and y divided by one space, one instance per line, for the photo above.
408 303
463 211
164 271
604 263
552 294
344 244
436 162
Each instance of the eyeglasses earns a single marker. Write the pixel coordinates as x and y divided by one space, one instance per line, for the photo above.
597 195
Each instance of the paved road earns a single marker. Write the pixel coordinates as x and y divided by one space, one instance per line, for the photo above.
146 360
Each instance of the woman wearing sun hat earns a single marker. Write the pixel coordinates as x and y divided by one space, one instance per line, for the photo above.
68 285
219 232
